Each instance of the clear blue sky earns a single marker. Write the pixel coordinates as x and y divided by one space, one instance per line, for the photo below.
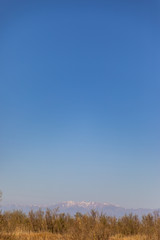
80 101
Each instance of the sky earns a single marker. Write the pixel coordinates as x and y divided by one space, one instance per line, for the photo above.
80 102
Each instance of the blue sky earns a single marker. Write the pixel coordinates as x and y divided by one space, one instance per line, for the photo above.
79 102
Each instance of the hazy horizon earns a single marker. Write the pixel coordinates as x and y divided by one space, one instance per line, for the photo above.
72 205
80 97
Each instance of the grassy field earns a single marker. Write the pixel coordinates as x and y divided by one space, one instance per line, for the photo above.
49 225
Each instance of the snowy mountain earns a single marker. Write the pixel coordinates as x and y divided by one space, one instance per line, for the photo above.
83 207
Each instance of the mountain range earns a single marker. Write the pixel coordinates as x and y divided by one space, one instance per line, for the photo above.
71 207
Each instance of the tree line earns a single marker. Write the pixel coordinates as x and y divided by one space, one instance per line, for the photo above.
81 226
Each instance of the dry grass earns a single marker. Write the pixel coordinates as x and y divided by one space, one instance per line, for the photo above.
50 236
31 236
137 237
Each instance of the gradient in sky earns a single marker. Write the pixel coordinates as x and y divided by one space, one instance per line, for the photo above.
80 102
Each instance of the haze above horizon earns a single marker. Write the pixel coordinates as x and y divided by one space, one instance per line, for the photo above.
80 97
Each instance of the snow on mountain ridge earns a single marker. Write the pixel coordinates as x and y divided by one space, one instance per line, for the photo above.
84 204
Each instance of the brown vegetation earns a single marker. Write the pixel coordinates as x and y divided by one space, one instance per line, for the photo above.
50 225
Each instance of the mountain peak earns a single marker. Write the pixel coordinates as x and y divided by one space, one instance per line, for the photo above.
84 207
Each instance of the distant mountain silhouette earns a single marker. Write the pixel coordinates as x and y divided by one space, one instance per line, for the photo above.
83 207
